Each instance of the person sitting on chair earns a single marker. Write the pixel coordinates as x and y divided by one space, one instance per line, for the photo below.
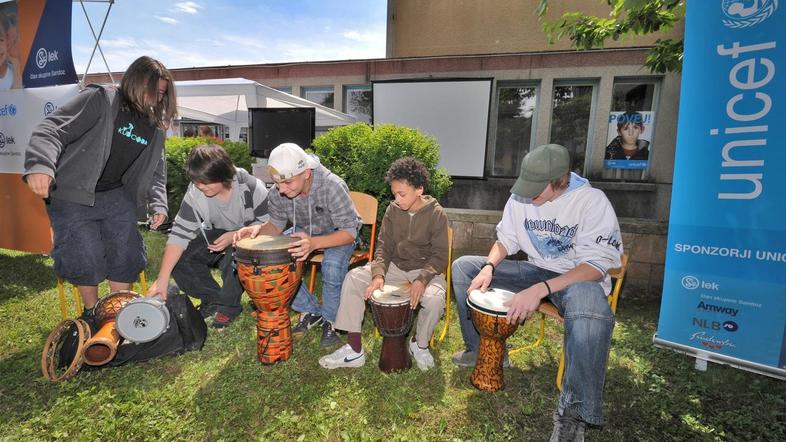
412 249
571 236
220 200
316 203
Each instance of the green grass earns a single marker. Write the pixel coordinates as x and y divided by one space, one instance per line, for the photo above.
223 393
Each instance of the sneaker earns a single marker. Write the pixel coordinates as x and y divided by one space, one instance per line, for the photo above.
306 323
343 357
568 427
89 316
466 358
329 336
221 321
422 356
207 310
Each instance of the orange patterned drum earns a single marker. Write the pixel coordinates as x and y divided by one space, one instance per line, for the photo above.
488 315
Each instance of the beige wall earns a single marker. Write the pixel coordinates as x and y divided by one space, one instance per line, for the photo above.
454 27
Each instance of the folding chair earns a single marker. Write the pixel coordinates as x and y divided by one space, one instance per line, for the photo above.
366 206
61 294
548 309
445 327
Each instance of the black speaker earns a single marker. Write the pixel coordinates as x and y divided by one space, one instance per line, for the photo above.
268 127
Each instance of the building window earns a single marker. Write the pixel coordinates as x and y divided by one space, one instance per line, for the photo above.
631 124
319 95
357 102
285 89
516 109
570 121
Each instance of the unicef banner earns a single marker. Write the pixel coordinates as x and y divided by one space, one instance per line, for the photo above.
724 294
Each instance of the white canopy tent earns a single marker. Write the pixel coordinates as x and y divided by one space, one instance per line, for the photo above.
226 101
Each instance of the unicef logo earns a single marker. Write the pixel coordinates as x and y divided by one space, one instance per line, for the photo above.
690 282
11 110
2 140
41 57
746 13
49 107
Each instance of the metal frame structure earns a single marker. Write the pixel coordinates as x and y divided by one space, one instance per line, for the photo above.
97 38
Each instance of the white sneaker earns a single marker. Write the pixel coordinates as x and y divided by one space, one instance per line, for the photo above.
422 356
343 357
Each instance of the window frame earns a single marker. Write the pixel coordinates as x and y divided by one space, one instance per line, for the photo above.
357 87
595 84
319 89
494 118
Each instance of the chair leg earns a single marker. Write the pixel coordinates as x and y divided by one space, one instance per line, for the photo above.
445 327
77 300
538 341
560 369
143 282
312 278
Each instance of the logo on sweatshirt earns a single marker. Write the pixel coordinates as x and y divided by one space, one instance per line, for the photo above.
128 131
550 238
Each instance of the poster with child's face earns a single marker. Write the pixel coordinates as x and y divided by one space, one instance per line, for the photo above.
628 140
10 64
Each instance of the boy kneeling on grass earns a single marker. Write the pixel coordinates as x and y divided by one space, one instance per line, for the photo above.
412 248
220 200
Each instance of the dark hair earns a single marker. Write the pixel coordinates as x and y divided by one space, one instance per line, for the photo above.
630 117
141 81
210 163
410 170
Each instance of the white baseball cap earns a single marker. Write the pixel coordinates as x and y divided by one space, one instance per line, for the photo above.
288 160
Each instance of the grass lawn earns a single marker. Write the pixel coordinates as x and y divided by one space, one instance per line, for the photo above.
222 392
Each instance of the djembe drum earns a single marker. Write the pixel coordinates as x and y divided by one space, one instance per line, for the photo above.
102 347
271 278
488 315
393 318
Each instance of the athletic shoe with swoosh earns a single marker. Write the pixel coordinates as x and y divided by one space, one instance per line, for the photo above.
343 357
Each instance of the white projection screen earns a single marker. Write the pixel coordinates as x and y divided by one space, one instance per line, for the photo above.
454 111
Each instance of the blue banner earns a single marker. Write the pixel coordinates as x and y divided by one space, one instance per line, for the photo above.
49 61
724 292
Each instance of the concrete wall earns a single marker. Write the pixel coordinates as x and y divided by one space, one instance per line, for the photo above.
458 27
474 231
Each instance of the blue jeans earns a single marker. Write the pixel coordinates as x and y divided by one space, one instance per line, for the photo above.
334 268
588 326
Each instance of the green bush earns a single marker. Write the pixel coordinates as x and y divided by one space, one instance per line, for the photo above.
361 156
177 150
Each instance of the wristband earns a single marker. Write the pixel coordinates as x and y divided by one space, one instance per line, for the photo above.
489 263
547 287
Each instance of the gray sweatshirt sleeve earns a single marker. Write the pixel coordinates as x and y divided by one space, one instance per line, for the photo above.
260 203
186 225
157 196
66 124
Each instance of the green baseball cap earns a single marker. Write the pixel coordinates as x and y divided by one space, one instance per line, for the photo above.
541 165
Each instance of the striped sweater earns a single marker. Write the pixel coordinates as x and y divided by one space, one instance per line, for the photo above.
198 214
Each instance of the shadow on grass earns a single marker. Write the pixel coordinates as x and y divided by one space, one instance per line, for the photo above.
24 275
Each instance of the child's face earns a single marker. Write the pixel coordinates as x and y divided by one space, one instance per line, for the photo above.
405 194
3 48
630 133
210 189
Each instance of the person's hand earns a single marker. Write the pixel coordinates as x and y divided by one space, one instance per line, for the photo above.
39 184
222 242
416 290
302 247
156 220
376 284
481 280
523 305
158 288
248 231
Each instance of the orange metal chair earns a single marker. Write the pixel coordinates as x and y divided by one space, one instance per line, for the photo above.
61 294
548 309
445 327
366 206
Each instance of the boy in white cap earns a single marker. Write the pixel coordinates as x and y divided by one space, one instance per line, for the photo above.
571 236
316 203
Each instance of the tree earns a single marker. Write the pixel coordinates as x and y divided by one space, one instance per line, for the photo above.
627 17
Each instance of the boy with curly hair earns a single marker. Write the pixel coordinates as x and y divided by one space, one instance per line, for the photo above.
412 248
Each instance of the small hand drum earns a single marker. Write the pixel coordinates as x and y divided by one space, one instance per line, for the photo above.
143 319
102 347
393 318
488 314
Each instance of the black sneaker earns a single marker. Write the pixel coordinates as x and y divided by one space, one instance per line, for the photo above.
568 427
221 321
207 310
329 336
306 323
88 315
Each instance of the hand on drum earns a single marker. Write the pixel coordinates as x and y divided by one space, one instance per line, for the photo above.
376 284
248 231
222 242
523 305
481 281
416 290
158 289
301 248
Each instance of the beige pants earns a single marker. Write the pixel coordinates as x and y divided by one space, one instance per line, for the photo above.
353 306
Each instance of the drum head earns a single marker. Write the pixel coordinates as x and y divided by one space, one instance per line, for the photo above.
490 302
390 295
143 320
265 243
264 250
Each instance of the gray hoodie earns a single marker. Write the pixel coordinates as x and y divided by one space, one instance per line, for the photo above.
73 143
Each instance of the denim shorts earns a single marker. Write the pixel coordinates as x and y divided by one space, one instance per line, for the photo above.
99 242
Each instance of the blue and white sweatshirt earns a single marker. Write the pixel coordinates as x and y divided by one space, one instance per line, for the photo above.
578 227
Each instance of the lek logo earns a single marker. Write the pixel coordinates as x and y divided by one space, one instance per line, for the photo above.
746 13
49 107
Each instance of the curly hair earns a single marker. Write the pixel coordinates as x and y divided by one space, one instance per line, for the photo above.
409 170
